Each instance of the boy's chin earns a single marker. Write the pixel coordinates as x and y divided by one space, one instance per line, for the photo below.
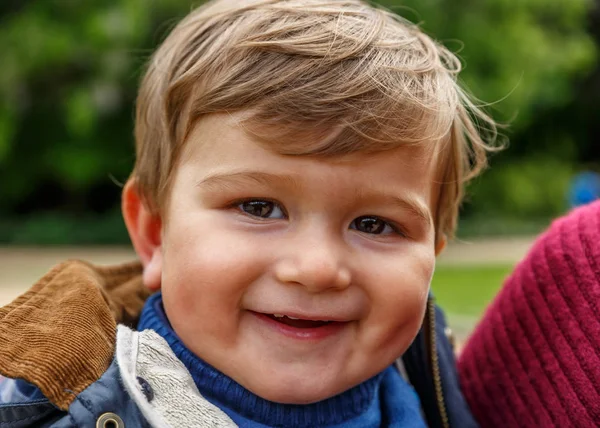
297 391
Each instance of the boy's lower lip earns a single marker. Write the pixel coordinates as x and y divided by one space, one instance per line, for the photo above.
315 333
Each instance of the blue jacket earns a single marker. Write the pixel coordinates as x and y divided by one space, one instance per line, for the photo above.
103 379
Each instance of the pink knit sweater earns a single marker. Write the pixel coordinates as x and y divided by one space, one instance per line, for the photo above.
534 360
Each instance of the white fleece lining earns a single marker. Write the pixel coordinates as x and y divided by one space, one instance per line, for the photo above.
127 350
177 401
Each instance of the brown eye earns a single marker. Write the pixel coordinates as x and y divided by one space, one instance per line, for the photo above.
372 225
262 209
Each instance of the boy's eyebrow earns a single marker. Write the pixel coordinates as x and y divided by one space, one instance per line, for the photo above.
405 202
219 181
414 207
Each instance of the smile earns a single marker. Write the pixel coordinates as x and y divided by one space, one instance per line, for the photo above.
300 328
298 322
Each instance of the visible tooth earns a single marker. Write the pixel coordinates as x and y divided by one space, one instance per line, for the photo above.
278 315
292 318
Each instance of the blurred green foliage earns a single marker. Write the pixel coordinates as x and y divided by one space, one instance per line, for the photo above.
518 55
69 71
527 188
67 85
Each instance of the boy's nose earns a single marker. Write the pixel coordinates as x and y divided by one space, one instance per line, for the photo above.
318 267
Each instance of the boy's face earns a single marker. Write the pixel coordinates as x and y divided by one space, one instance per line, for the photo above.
343 248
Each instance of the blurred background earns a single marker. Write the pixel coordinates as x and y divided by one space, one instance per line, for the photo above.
69 71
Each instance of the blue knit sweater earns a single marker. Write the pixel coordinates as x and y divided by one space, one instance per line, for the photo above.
385 400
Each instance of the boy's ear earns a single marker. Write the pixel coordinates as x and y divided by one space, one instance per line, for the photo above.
440 244
145 233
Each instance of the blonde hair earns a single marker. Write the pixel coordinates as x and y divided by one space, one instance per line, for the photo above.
303 68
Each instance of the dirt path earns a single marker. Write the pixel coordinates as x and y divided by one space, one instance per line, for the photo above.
21 266
487 251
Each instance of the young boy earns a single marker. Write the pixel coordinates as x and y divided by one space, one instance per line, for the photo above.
299 166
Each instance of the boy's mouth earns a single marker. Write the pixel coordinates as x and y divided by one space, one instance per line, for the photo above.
297 322
311 328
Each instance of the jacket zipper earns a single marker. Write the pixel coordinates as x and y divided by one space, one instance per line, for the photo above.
435 367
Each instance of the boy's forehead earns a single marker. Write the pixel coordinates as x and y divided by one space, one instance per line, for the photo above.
220 146
303 141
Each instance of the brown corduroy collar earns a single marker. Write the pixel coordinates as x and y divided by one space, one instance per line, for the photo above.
60 334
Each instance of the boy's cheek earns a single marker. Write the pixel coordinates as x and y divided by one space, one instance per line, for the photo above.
397 326
398 307
208 266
